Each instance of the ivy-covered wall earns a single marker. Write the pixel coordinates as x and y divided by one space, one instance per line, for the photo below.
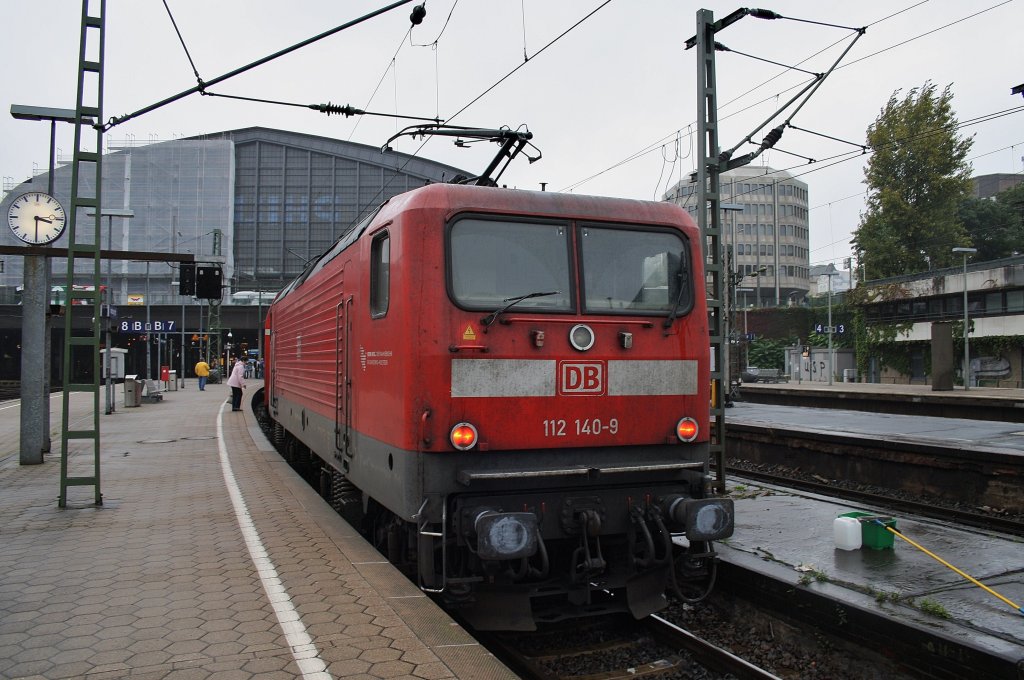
774 329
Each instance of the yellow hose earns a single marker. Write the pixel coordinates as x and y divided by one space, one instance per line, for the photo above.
947 564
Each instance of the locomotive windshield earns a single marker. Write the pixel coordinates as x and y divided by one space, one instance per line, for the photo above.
632 271
624 271
492 261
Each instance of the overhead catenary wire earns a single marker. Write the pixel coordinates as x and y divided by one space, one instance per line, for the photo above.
490 88
927 33
851 155
433 43
391 65
647 150
181 39
248 67
722 48
527 57
328 108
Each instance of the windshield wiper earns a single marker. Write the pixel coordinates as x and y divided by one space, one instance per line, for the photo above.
684 284
493 316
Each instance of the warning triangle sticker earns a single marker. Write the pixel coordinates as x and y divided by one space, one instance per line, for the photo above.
469 333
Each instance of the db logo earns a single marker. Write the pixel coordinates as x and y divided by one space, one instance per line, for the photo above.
581 377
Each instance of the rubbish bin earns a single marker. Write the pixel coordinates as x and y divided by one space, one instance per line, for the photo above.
172 381
849 375
132 391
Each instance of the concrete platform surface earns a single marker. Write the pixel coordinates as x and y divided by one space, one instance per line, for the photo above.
961 433
209 558
990 394
790 536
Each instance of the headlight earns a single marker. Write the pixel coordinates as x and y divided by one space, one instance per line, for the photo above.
581 337
709 519
505 536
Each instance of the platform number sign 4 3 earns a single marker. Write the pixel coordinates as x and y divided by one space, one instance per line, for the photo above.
823 329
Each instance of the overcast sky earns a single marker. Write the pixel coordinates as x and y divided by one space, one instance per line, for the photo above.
612 103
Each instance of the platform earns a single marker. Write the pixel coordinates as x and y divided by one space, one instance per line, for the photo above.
209 558
980 403
787 537
995 437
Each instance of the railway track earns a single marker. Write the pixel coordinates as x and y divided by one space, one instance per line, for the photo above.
886 498
618 647
977 487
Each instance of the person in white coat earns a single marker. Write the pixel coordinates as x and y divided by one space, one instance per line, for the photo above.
237 383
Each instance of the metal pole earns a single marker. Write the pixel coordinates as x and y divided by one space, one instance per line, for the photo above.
204 352
181 376
775 238
259 324
967 351
757 262
47 322
830 359
746 343
149 330
109 319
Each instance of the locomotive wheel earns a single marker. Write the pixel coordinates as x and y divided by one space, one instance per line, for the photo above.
290 450
326 487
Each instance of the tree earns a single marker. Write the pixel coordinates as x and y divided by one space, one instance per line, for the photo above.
916 178
994 228
1013 198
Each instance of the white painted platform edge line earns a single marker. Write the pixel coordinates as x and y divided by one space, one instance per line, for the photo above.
303 650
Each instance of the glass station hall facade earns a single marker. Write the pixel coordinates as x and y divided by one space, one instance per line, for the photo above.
259 202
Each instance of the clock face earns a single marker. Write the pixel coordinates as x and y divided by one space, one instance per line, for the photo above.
36 218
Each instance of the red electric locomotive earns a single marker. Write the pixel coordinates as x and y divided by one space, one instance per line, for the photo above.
509 391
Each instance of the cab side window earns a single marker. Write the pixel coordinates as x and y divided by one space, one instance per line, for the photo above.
380 275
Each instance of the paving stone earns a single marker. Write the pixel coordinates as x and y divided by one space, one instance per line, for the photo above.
161 586
391 669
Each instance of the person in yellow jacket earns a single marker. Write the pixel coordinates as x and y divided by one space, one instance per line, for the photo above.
203 373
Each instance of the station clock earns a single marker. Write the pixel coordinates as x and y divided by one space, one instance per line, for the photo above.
36 218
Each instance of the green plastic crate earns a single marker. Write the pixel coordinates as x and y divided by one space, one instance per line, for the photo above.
872 535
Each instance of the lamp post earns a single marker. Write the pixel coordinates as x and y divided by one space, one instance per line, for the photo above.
227 354
110 214
967 352
149 330
831 356
35 336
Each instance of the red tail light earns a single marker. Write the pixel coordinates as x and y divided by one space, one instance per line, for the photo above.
686 429
463 436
